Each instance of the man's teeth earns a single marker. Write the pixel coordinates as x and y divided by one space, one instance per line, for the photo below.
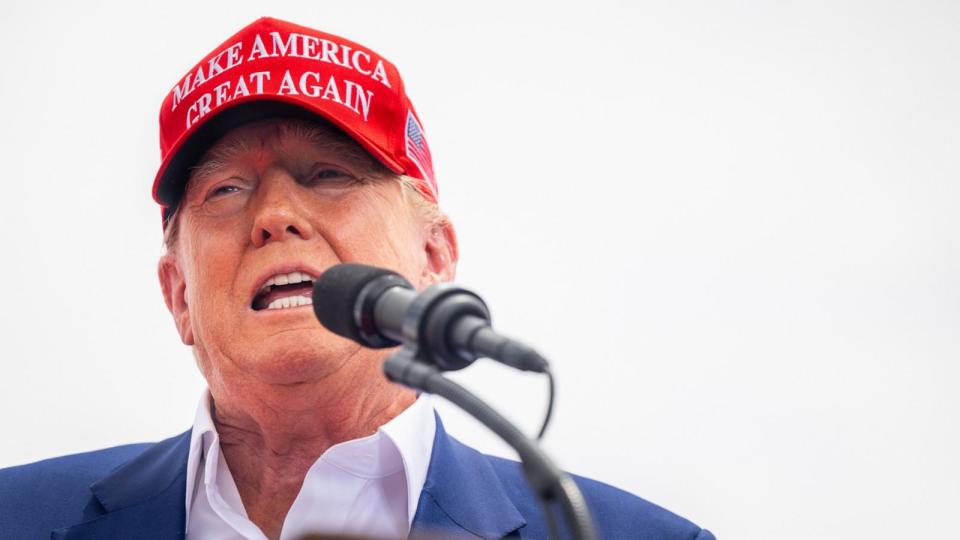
290 302
296 291
286 279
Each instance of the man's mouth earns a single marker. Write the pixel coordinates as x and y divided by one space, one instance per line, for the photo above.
284 291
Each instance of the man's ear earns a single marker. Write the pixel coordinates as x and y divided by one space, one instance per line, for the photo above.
174 295
442 253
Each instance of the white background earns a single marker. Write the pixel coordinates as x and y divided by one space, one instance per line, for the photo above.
731 225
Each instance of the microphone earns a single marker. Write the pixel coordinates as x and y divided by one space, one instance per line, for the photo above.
448 325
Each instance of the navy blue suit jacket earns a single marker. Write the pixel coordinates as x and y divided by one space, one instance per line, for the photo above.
138 491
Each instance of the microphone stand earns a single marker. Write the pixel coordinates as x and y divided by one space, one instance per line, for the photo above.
549 483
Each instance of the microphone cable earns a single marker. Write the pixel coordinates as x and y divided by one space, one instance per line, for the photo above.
552 394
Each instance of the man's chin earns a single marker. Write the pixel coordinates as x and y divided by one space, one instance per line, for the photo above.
293 358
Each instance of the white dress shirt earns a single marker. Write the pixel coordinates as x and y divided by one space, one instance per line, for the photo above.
367 486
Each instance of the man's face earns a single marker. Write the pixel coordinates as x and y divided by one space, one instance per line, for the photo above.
270 204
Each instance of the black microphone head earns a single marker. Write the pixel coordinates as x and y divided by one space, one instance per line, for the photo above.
343 300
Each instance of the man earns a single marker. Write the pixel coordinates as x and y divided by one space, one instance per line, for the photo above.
287 151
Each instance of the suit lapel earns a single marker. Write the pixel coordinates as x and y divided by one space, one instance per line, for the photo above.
144 498
462 496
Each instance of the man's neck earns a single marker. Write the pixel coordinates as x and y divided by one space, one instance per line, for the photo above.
271 435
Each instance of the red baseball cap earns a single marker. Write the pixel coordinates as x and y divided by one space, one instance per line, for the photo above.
273 68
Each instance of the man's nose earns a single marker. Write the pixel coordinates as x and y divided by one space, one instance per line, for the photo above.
280 214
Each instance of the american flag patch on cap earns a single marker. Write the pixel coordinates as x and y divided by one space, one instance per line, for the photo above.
417 149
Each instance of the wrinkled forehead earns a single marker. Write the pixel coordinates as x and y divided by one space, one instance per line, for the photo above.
287 135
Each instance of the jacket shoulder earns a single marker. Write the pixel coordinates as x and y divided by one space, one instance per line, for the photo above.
617 513
41 496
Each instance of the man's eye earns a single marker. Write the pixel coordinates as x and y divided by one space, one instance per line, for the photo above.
323 174
330 177
222 190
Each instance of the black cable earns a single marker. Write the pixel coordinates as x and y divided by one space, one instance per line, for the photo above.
546 418
549 512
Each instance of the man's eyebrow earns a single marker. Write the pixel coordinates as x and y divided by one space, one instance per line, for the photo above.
217 157
330 139
318 135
